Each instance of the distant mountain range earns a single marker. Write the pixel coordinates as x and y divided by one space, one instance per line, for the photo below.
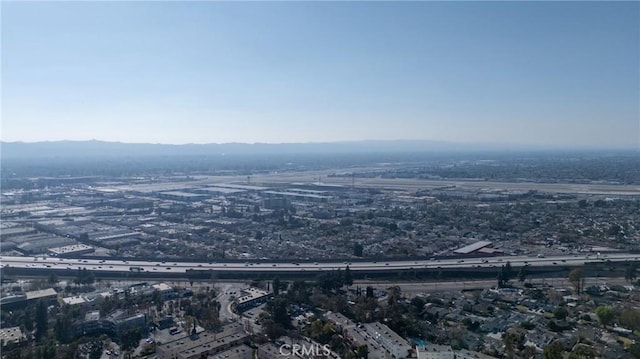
77 149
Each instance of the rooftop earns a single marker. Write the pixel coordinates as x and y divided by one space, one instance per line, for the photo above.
13 334
472 247
36 294
251 294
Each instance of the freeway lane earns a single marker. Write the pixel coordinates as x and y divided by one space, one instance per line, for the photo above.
55 263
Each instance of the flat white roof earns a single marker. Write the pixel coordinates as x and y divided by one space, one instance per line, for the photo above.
41 293
70 248
252 293
162 287
74 300
9 335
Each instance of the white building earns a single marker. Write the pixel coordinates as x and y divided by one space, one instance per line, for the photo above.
390 340
435 351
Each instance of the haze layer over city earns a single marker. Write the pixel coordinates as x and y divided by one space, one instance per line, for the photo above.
320 179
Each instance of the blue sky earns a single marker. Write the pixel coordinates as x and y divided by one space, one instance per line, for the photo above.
550 73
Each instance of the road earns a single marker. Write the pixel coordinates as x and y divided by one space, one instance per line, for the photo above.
113 266
228 291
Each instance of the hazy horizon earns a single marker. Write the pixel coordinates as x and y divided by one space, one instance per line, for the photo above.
563 74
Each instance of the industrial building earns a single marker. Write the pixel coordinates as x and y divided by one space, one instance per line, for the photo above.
71 250
472 247
183 196
304 197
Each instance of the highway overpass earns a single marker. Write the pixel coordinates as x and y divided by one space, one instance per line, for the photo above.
484 266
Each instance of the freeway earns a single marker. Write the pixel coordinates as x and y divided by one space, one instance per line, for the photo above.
114 266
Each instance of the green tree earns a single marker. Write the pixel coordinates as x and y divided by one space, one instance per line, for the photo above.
575 278
501 278
52 279
522 274
276 286
634 350
272 329
582 351
511 343
358 249
277 309
369 292
508 272
63 329
131 338
348 280
630 319
630 273
560 313
605 315
27 319
157 300
553 351
96 353
362 351
42 320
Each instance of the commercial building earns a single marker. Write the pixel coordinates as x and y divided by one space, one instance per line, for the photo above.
251 297
165 290
71 250
78 300
115 324
40 243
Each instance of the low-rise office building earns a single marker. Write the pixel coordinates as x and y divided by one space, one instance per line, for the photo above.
250 298
115 324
